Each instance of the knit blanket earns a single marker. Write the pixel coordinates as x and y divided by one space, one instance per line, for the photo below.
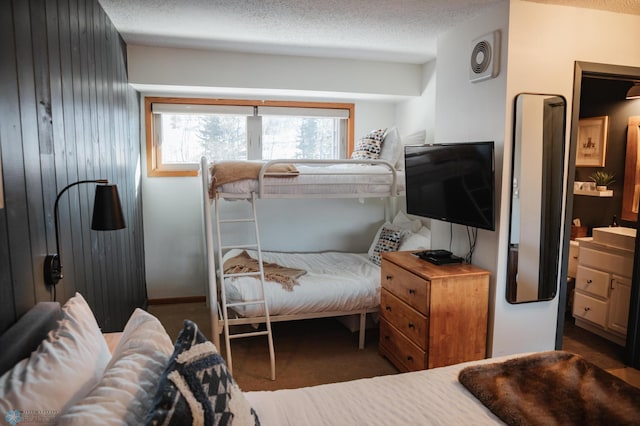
553 388
230 171
243 263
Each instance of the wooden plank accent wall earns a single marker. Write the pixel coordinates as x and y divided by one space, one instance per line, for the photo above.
67 113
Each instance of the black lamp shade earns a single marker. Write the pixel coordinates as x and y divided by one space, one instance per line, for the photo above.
107 211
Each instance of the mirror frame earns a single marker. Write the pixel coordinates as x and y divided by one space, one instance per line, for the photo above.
551 211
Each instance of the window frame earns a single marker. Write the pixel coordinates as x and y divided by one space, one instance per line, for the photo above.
154 152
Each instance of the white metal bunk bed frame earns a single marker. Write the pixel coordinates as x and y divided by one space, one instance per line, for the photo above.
219 321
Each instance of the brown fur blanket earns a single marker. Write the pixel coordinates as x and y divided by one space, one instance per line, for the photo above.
230 171
553 388
287 277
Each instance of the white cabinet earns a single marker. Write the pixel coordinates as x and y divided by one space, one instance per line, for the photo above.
574 250
619 304
603 289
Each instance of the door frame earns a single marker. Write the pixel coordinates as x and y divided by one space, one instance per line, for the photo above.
632 348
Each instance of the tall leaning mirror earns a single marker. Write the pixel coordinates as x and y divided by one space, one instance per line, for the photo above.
536 197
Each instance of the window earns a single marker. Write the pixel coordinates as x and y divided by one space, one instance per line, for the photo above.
181 130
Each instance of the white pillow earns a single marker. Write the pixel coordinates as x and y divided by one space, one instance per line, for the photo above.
392 149
125 393
404 222
417 138
420 240
63 369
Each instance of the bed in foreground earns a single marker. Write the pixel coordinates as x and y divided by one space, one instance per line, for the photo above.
71 378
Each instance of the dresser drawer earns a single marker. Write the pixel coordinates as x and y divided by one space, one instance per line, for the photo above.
407 286
593 281
590 309
407 320
395 346
622 265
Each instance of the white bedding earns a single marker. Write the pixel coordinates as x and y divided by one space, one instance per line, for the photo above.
337 179
429 397
334 282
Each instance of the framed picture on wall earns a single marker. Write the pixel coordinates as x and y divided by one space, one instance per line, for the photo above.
592 142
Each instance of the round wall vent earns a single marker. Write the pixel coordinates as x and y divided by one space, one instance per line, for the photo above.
485 57
481 57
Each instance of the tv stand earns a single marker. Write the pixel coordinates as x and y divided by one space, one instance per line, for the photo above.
430 315
438 257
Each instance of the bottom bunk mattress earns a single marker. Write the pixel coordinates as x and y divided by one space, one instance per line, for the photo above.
332 282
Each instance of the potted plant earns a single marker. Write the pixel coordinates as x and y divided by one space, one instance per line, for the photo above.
602 179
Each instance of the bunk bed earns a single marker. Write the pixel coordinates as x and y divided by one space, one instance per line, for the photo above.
347 293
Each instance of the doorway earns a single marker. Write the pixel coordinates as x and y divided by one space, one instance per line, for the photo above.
599 91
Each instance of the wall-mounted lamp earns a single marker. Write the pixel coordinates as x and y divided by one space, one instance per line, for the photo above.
634 91
107 216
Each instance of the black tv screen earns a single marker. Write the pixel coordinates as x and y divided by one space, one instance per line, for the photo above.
453 182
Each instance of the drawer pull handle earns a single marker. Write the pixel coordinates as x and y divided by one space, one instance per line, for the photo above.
389 277
388 308
587 309
410 325
409 358
386 337
412 291
589 281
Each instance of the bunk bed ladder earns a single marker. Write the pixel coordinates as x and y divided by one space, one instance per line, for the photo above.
260 274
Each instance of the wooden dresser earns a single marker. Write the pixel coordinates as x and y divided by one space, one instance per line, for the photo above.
431 315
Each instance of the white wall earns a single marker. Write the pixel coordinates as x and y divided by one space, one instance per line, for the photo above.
154 67
544 43
174 237
418 114
172 211
540 44
467 112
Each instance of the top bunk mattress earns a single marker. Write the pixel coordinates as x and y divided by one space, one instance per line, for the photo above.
344 179
334 282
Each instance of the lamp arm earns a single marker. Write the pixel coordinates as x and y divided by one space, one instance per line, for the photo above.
55 222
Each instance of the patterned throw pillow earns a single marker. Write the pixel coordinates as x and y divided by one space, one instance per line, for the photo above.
389 240
370 146
197 388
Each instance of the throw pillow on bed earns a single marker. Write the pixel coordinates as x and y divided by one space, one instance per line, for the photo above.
124 394
64 368
402 223
370 146
389 240
197 388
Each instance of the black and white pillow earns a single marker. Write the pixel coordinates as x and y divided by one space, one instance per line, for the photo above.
370 146
197 388
389 240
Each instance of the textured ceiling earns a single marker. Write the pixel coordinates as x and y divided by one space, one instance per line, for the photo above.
390 30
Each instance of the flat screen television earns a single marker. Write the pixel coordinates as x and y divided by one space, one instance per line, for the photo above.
452 182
